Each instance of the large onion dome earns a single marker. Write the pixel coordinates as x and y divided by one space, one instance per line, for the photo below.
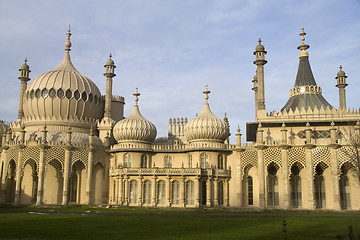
62 96
206 127
134 128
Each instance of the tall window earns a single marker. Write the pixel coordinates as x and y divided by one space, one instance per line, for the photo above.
344 191
175 192
203 193
220 193
190 161
220 161
189 193
147 192
127 160
204 158
144 161
133 191
319 185
295 182
168 161
272 186
161 188
250 189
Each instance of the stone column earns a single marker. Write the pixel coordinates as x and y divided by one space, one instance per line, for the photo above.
182 192
197 192
310 177
40 192
90 176
140 191
121 191
67 168
168 192
18 177
285 176
126 191
3 180
336 177
153 192
226 193
208 192
261 176
216 196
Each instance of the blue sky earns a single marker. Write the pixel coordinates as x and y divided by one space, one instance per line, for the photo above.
171 49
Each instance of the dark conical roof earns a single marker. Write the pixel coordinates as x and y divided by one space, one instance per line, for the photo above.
305 93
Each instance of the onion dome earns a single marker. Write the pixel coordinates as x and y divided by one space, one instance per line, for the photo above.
206 126
62 95
259 48
135 128
341 73
24 66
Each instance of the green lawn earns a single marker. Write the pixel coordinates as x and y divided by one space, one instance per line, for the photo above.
75 223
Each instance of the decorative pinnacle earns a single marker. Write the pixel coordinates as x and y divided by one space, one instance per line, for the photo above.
110 55
339 67
259 40
238 129
206 92
136 94
302 34
25 61
303 46
68 43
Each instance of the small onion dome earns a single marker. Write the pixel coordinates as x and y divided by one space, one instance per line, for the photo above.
134 128
341 73
206 126
259 48
109 62
25 66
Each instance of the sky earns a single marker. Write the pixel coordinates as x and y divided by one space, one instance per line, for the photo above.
170 49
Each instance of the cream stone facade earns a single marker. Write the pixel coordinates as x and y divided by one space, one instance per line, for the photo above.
72 145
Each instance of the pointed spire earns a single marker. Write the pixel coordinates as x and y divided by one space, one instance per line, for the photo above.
136 94
206 92
68 43
303 46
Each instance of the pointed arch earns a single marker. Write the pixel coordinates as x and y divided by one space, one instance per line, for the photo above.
29 182
272 185
77 182
53 182
10 181
98 183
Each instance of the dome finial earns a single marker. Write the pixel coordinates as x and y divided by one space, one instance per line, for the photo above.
68 43
206 92
303 46
136 94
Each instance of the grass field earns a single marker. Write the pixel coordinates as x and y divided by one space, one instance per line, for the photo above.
139 223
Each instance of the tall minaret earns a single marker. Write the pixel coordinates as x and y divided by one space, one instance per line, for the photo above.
24 78
109 74
106 125
260 62
341 84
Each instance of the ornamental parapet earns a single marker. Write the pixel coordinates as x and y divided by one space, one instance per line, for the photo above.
170 172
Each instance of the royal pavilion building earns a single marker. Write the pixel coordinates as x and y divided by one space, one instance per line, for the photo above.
72 145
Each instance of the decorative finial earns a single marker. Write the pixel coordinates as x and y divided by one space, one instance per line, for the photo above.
238 129
110 55
259 40
25 60
136 94
68 43
206 92
303 46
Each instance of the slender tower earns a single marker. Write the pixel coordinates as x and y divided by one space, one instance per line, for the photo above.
255 89
341 84
260 62
109 74
24 78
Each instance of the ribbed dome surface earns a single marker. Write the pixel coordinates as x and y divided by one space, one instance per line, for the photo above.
62 94
135 127
206 127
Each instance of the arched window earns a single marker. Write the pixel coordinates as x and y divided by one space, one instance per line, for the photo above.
189 192
250 190
204 158
127 160
147 192
220 161
175 192
133 191
272 186
190 161
220 193
319 185
144 161
295 182
344 188
168 161
161 195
